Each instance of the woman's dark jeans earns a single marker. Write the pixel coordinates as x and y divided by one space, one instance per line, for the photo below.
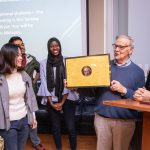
16 137
69 116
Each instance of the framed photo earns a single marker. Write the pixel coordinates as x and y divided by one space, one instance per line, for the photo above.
88 71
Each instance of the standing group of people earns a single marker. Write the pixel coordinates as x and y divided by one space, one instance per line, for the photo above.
16 75
114 126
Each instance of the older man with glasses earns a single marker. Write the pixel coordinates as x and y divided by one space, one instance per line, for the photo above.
115 126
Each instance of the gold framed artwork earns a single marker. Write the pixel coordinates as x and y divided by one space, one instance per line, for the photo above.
88 71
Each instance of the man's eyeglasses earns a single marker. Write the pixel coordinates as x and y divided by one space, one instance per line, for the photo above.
119 46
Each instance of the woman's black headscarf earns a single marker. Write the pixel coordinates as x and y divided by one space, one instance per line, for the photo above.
56 82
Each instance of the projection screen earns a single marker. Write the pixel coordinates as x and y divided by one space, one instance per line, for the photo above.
35 21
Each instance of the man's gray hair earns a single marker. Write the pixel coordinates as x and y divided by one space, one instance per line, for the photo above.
126 37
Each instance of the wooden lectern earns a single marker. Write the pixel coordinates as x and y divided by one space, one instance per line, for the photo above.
131 104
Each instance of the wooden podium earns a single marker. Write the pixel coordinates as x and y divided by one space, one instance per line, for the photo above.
131 104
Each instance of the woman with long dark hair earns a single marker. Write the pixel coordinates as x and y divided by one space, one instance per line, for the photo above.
59 99
17 99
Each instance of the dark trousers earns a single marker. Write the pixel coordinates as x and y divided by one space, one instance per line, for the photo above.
136 142
16 137
69 116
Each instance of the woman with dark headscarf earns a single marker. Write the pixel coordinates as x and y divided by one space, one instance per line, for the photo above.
59 99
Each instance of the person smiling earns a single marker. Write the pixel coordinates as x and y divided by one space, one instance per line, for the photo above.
17 99
32 68
115 126
59 99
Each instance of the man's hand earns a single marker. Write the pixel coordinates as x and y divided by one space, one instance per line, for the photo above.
118 87
142 95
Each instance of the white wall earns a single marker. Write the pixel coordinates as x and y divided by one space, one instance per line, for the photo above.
116 21
130 17
139 29
96 27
